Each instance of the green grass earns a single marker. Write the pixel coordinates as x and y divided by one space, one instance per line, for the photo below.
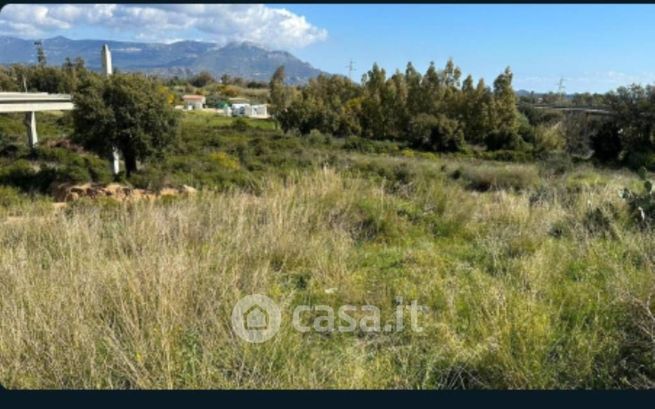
139 296
211 120
539 280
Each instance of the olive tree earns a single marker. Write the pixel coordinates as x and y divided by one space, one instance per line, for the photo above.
128 111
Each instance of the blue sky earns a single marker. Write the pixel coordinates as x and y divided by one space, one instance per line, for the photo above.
593 47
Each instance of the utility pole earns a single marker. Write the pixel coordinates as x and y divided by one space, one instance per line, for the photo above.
351 68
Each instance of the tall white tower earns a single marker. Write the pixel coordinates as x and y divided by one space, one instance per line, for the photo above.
106 60
109 70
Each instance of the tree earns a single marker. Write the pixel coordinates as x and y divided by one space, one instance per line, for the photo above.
634 109
279 92
7 81
437 133
413 80
328 103
378 117
505 124
505 111
203 78
128 111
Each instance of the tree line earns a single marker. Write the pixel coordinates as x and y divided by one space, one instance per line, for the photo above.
436 110
439 111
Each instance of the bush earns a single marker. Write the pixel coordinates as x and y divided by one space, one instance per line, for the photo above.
526 131
150 178
73 174
548 138
10 196
224 160
28 178
606 142
316 138
641 204
240 124
640 159
355 143
502 139
437 133
372 220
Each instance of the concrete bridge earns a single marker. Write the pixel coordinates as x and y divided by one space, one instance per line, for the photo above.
30 103
581 109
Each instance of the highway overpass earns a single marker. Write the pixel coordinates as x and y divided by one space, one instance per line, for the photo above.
30 103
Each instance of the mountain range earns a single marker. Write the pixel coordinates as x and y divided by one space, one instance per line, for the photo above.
183 58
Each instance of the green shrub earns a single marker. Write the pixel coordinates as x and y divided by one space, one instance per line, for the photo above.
318 138
26 177
73 174
355 143
526 131
372 220
240 124
638 159
641 204
548 138
225 160
10 196
151 178
502 139
437 133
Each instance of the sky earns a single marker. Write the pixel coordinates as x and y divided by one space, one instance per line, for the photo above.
593 48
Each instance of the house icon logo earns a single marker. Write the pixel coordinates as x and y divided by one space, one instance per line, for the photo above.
256 318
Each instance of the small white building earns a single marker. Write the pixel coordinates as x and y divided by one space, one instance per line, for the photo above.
250 111
194 102
257 111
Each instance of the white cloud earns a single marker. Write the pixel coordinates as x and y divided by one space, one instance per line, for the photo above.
220 23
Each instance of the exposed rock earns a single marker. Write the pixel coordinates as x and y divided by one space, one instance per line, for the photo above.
66 192
168 191
65 144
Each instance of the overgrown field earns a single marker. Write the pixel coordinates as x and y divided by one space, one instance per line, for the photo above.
533 278
534 275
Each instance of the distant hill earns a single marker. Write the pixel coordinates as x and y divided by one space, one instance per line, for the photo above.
183 58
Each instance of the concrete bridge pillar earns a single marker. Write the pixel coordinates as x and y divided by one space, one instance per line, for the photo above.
30 122
115 161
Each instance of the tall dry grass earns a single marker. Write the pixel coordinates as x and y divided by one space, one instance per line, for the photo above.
523 290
